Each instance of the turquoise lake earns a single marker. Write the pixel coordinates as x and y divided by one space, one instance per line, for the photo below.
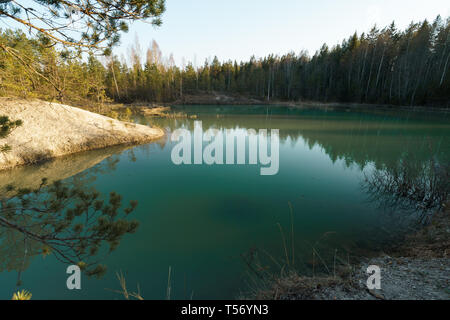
202 221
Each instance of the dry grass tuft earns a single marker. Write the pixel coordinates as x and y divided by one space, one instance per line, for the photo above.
295 287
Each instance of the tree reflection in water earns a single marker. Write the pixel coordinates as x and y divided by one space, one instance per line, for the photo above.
421 187
68 219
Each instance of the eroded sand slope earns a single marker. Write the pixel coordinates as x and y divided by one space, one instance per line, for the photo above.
51 130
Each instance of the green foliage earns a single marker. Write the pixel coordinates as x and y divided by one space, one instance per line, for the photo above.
81 24
70 220
5 148
6 125
385 66
77 80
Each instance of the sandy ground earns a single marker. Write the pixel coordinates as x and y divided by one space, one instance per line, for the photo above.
418 268
402 278
51 130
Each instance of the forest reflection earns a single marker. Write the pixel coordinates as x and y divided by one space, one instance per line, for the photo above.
357 138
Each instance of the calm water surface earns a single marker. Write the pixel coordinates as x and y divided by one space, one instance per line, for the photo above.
199 219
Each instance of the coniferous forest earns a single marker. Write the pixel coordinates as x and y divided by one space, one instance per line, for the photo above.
322 175
382 66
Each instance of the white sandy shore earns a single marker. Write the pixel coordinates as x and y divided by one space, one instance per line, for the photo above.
51 130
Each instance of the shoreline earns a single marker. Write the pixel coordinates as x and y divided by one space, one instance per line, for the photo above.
415 269
222 99
51 130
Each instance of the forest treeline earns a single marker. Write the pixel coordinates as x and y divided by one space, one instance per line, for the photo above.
383 66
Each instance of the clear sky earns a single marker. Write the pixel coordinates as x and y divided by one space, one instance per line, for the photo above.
237 29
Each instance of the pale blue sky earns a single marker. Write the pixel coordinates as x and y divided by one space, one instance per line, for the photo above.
237 29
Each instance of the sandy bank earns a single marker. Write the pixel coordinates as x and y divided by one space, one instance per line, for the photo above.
215 98
416 269
51 130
